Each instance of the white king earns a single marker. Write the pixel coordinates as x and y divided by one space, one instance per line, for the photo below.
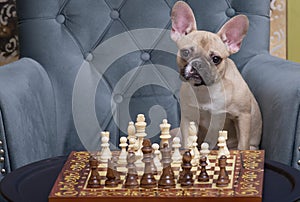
140 126
165 132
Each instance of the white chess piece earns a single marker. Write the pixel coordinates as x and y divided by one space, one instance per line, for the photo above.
140 126
123 154
105 134
221 145
192 133
176 156
105 151
157 156
196 157
165 132
133 144
225 135
131 130
204 151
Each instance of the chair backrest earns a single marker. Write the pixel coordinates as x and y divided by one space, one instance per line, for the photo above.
110 60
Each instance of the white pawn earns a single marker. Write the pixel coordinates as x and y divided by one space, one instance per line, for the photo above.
105 151
123 154
225 135
204 151
221 145
176 157
196 157
157 156
133 144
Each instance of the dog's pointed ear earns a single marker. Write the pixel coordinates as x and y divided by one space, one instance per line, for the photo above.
233 32
183 20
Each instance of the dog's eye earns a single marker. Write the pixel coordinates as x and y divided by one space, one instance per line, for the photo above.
185 53
216 59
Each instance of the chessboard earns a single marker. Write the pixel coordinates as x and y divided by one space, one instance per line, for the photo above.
245 170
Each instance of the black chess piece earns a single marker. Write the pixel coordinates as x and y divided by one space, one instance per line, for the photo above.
132 176
153 166
167 178
181 174
223 178
203 176
147 180
111 180
94 179
186 180
114 164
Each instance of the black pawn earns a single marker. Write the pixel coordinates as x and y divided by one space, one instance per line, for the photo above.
94 180
132 176
111 180
114 160
223 178
203 176
186 178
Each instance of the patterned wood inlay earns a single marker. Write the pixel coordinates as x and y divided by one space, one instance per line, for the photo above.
8 32
278 28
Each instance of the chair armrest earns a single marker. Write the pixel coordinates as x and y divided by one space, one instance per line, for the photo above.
276 85
27 114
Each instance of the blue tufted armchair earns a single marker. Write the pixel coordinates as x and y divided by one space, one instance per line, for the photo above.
93 65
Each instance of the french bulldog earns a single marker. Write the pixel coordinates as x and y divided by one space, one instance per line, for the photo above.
213 93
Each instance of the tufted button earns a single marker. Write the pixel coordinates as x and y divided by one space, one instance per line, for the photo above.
1 143
118 98
1 151
230 12
3 171
299 148
2 159
60 18
114 14
145 56
89 57
299 162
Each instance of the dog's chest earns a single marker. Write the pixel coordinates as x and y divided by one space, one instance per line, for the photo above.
211 99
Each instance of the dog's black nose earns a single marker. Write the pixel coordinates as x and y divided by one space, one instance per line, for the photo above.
196 64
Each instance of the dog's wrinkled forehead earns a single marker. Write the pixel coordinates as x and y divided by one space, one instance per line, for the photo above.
203 42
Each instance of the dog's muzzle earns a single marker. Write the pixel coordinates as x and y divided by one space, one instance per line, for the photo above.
191 73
